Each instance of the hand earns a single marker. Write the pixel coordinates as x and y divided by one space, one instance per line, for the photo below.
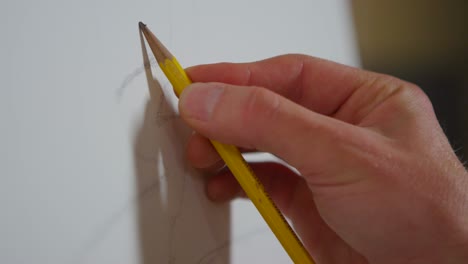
378 181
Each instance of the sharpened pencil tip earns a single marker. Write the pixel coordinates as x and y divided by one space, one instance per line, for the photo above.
160 52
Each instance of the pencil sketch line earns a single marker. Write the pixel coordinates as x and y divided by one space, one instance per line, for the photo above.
210 255
177 216
102 230
135 73
161 117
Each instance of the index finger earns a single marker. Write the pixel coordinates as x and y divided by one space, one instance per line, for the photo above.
319 85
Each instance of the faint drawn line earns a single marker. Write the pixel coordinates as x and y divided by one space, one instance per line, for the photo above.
174 218
102 230
172 253
212 254
135 73
161 117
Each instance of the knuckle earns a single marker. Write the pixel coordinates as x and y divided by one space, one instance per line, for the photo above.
418 96
261 105
259 112
411 97
385 96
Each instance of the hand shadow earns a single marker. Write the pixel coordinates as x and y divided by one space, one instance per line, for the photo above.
176 223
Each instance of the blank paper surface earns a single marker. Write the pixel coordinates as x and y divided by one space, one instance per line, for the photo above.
92 163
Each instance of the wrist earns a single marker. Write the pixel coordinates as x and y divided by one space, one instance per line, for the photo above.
455 248
446 239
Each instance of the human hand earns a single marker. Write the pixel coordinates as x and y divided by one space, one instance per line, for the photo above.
379 181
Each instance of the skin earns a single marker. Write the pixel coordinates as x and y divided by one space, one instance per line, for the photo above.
378 182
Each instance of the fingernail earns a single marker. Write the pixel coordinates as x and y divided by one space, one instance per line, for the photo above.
198 100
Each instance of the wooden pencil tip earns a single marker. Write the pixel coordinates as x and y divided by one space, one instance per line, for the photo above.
160 52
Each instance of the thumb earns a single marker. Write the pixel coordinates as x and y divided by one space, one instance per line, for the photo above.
257 118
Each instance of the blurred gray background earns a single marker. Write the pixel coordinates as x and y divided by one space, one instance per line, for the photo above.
424 42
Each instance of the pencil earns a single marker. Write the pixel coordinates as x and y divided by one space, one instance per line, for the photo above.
234 160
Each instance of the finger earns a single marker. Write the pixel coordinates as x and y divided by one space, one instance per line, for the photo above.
279 181
257 118
202 155
201 146
317 84
294 199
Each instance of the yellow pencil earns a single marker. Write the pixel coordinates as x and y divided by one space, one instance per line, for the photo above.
234 160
